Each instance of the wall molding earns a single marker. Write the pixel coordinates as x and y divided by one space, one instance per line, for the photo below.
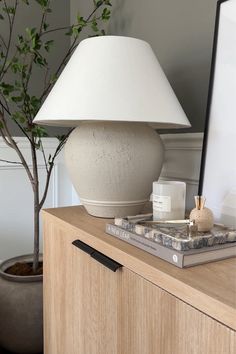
182 162
54 178
23 143
182 141
182 157
187 141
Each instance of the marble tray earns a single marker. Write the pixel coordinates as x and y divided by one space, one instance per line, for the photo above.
176 237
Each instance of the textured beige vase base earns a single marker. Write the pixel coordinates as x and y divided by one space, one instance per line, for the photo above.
111 211
112 166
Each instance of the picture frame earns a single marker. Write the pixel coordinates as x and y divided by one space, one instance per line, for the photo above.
218 165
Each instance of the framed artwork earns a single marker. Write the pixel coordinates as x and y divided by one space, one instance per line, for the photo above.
218 166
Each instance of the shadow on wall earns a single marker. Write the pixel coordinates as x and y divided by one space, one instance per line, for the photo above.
120 24
181 35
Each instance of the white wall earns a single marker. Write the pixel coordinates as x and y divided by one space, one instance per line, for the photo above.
182 162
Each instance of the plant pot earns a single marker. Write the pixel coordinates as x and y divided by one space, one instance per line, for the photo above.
21 310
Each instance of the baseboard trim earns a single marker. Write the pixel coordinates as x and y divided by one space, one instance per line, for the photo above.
23 143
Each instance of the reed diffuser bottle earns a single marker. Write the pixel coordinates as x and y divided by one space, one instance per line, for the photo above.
202 216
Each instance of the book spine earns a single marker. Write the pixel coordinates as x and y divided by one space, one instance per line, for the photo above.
170 255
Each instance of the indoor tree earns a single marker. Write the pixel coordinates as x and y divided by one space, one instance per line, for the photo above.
20 56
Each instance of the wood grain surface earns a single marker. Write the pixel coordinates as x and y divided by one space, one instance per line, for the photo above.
209 288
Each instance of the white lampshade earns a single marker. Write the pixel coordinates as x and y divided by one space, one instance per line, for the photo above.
113 78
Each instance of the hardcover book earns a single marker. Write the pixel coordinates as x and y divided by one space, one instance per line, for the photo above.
179 258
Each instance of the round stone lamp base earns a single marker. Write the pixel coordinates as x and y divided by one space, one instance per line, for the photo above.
112 166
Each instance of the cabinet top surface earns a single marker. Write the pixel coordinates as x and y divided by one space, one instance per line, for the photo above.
210 287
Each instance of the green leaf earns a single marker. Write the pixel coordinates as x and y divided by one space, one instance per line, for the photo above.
20 39
78 16
19 117
70 32
94 26
6 89
43 3
35 42
39 60
39 132
81 21
106 14
107 2
17 99
45 26
76 30
35 103
99 3
9 10
53 79
31 31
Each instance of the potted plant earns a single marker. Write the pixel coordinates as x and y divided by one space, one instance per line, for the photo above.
21 277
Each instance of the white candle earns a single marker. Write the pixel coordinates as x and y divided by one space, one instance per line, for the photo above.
169 200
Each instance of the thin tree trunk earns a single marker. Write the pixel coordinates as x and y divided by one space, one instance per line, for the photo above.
36 207
36 229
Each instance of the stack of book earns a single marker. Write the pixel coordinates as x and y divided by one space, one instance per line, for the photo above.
173 244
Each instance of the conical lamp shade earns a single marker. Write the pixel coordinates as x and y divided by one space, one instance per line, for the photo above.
113 78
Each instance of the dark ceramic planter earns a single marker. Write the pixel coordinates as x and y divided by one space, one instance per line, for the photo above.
21 310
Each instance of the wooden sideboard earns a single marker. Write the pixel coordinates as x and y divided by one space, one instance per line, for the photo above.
147 306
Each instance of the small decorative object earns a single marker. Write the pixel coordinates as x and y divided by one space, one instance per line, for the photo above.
169 200
218 172
202 216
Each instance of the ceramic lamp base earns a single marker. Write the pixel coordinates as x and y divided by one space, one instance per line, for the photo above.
112 166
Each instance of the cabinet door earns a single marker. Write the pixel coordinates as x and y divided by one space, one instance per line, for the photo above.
81 302
88 309
153 321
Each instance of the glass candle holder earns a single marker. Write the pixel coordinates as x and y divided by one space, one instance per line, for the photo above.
169 200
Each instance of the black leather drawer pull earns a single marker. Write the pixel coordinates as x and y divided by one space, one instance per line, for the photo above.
101 258
83 246
106 261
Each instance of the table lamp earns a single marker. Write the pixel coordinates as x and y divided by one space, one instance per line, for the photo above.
114 91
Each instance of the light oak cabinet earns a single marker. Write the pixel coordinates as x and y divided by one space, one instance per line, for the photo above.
146 307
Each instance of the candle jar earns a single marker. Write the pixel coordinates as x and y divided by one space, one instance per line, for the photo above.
169 200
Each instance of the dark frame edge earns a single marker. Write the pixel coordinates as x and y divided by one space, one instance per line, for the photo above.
209 97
